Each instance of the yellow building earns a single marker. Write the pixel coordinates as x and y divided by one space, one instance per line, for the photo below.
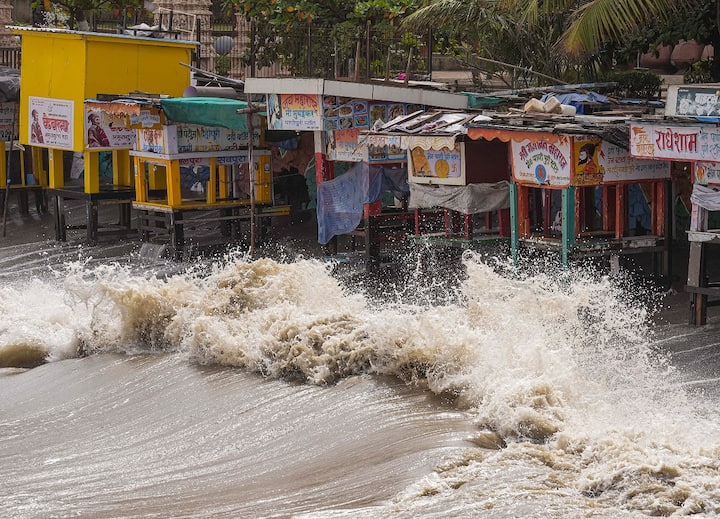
61 69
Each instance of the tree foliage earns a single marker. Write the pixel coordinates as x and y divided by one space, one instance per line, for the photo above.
79 10
560 38
304 35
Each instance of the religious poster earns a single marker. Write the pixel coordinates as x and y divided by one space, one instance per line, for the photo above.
384 148
432 166
707 173
152 141
294 112
587 170
51 122
541 158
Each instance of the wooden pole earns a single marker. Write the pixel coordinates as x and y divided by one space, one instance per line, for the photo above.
8 162
249 112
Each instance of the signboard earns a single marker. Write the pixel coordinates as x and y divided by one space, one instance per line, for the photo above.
191 138
294 112
342 114
542 159
618 166
445 166
693 101
344 145
687 143
106 126
194 138
707 173
385 148
8 121
51 122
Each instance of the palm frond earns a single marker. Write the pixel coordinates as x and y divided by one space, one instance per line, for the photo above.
451 14
599 21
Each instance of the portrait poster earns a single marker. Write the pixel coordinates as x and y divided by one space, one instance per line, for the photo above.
587 168
106 126
51 122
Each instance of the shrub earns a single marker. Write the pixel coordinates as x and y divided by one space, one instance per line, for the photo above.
636 84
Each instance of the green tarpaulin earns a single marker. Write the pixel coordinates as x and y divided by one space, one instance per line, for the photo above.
206 111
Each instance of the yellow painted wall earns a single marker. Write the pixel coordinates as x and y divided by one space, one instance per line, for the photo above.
78 66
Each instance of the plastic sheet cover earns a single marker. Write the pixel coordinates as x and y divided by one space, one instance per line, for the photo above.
206 111
470 199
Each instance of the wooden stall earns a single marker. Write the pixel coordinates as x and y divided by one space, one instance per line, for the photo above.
54 115
569 194
693 141
21 167
192 173
459 189
688 135
337 112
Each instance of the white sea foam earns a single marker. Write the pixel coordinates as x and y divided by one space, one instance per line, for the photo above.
559 369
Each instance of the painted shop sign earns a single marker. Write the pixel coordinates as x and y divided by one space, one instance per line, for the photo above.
689 143
618 166
294 112
195 138
344 145
542 159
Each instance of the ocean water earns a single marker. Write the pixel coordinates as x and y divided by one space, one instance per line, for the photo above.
135 387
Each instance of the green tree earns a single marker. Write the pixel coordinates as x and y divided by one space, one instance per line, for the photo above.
304 36
487 34
553 36
79 10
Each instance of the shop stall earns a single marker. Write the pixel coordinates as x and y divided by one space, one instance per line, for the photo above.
21 168
55 117
570 191
192 172
459 192
367 204
689 133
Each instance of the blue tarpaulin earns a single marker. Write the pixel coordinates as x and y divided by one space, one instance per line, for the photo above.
340 201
